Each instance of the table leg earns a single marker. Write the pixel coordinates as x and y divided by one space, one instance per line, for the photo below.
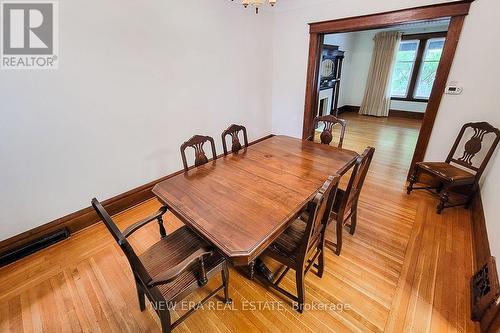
251 270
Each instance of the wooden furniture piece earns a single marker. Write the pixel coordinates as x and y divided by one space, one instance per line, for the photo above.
326 136
234 131
330 75
463 166
302 243
345 207
171 269
200 157
243 202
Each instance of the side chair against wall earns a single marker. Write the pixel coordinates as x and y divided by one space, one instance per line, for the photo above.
329 122
234 131
200 157
171 269
302 243
345 207
463 166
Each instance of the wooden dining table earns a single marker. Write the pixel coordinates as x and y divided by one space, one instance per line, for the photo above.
242 202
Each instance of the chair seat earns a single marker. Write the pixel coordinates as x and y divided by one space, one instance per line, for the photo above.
446 171
172 250
288 243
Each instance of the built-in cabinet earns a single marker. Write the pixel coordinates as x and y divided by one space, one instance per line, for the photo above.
330 79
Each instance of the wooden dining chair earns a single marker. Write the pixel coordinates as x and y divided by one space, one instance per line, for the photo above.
329 122
345 204
171 269
463 167
200 157
302 243
234 131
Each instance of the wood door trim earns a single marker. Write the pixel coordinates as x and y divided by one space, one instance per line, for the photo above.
86 217
457 11
381 20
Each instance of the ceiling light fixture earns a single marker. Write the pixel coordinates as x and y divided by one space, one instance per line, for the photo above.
256 3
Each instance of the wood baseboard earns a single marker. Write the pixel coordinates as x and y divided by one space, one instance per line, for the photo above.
491 320
86 217
480 235
406 114
348 108
392 113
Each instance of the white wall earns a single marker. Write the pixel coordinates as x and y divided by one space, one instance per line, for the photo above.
135 80
474 68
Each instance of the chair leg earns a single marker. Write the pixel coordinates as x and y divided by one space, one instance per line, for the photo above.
251 270
299 280
413 179
443 200
338 246
321 262
225 281
165 320
470 197
141 296
163 232
354 218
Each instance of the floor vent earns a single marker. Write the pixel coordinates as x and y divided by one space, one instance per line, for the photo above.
32 247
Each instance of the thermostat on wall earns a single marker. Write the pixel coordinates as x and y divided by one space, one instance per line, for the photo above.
453 89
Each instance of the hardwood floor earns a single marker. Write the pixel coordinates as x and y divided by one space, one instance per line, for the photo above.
405 270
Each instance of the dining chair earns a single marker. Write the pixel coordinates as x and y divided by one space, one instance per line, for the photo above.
345 203
302 243
234 131
463 166
329 122
200 157
171 269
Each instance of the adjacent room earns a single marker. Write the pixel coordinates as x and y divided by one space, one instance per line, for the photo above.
249 166
380 81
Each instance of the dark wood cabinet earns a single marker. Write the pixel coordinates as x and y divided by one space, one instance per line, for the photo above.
330 77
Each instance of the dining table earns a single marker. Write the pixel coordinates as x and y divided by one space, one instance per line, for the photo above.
242 202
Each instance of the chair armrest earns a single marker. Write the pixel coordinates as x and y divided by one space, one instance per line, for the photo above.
171 274
134 227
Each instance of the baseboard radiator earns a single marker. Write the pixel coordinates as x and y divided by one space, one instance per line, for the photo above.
33 246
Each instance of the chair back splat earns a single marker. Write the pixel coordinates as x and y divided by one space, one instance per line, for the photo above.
200 157
236 145
329 122
474 146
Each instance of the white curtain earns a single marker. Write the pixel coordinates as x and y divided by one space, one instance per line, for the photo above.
377 98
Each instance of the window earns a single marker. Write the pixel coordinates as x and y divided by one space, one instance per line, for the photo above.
416 66
403 69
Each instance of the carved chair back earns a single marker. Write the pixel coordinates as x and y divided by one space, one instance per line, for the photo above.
355 185
200 157
329 122
234 131
317 208
474 147
134 261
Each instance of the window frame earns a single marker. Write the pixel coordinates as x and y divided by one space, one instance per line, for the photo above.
423 38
